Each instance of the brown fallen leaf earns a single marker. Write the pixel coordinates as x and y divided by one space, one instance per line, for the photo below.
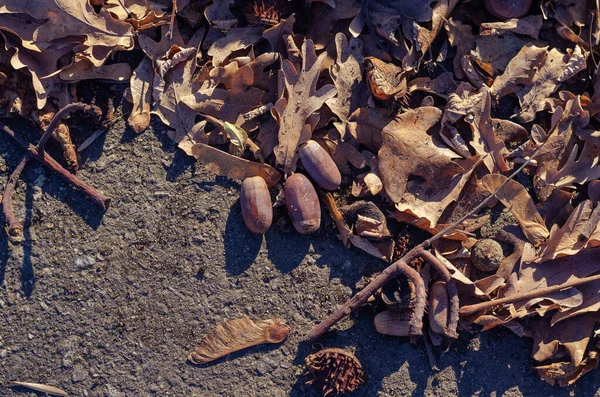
514 197
408 149
238 334
236 39
225 164
461 37
520 71
528 26
302 101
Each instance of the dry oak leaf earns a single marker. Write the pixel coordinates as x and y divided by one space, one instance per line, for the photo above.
461 37
238 334
347 77
565 240
545 82
302 101
514 197
408 149
520 71
235 40
366 125
493 53
228 165
141 93
60 19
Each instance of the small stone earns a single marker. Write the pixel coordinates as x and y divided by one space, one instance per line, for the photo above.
79 373
111 391
30 336
487 255
3 353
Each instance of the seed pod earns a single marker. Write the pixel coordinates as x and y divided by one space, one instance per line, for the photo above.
256 204
487 255
438 307
320 166
393 323
334 371
302 204
507 9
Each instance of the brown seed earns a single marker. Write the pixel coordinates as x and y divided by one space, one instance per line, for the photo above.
302 204
238 334
334 371
507 9
487 255
256 204
320 166
393 323
438 307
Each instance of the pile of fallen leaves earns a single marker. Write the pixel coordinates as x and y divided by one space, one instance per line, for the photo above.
426 107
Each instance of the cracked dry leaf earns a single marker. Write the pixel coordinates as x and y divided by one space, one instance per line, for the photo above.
228 165
238 334
516 199
409 150
301 101
219 14
520 71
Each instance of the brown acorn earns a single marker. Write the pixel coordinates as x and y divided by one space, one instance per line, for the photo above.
320 166
438 307
507 9
302 204
256 204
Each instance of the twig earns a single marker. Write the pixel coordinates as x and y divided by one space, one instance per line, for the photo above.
450 330
472 309
14 226
97 198
400 266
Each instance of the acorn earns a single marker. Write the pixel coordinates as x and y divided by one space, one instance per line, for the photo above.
438 307
302 204
256 204
320 166
393 323
507 9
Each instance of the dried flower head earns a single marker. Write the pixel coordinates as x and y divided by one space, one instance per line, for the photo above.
334 371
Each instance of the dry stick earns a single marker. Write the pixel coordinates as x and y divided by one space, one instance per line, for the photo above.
472 309
450 330
14 226
97 198
392 271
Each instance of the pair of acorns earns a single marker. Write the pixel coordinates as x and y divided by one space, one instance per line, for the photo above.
301 198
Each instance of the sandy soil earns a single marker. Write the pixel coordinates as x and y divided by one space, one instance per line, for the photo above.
110 304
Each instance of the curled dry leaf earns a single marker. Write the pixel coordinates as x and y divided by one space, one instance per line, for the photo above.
141 93
225 164
514 197
238 334
528 26
520 71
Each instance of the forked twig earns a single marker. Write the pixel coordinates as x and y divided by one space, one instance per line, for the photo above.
38 153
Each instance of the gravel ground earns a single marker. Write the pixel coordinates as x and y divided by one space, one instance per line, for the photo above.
110 304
